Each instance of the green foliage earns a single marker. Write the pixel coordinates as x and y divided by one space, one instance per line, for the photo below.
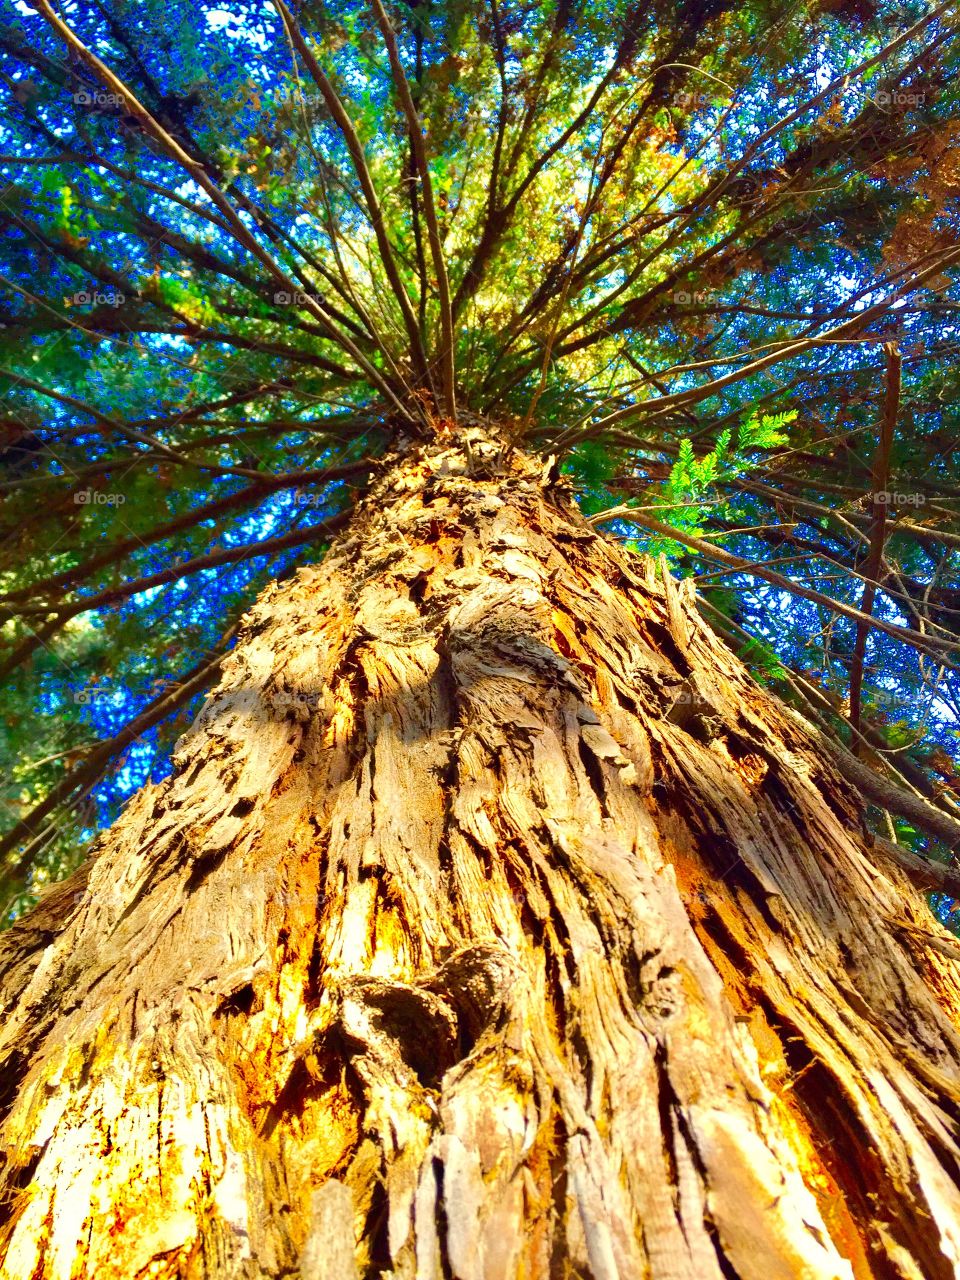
691 496
594 467
763 431
763 662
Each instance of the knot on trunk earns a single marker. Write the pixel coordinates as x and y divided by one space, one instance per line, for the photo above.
503 629
429 1026
399 1026
693 707
478 980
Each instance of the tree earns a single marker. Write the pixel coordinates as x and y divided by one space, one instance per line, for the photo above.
510 908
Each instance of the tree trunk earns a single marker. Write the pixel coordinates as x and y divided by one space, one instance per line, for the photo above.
492 924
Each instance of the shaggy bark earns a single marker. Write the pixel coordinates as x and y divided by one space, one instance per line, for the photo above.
492 923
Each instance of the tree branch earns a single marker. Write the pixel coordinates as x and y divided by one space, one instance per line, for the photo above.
880 472
447 354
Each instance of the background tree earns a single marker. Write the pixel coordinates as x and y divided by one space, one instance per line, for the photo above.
699 262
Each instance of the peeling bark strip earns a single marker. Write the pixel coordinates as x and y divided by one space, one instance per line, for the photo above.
492 924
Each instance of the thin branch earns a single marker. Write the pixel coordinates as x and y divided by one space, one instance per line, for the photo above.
880 474
87 774
925 644
197 172
447 353
173 573
345 125
787 351
190 519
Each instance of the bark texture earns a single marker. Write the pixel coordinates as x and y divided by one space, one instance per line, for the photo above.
492 925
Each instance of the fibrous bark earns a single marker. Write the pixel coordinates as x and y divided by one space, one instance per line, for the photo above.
493 923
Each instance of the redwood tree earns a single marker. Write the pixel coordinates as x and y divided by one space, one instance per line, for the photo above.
543 889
